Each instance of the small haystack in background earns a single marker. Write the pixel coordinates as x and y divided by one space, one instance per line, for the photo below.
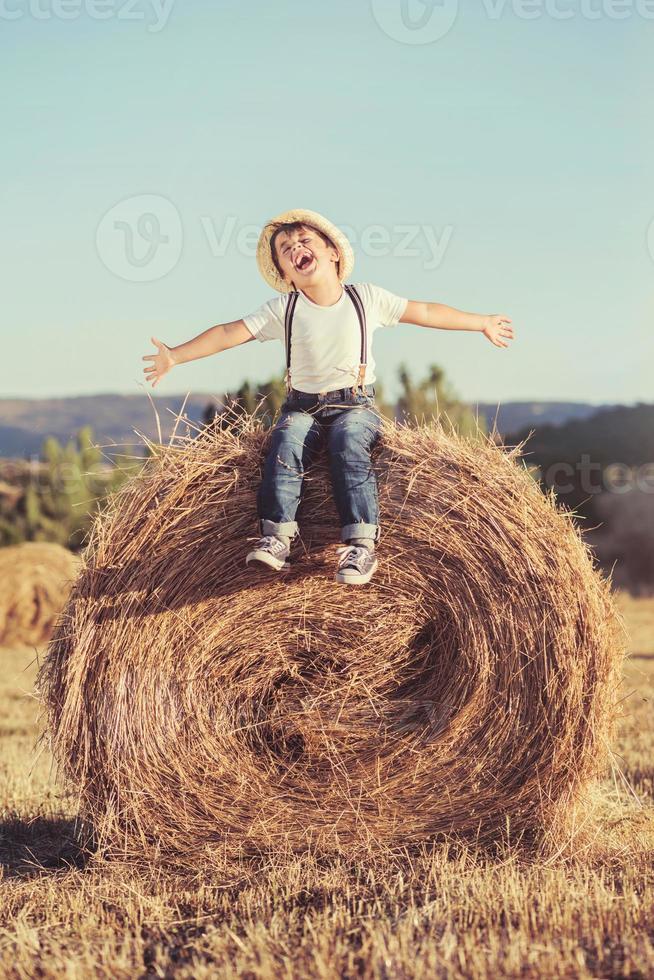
35 580
200 705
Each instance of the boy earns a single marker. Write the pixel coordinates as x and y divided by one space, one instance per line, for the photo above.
327 328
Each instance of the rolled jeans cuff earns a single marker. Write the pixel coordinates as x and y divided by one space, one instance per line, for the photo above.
360 530
287 528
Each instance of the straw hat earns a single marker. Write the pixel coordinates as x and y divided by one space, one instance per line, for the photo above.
267 267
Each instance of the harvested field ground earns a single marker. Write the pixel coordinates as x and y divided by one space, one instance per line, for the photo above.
447 911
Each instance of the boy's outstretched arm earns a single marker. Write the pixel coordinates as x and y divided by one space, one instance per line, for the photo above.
496 326
211 341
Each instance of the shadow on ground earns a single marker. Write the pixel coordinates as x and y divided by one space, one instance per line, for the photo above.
44 845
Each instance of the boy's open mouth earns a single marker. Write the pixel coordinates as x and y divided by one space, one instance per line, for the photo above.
304 262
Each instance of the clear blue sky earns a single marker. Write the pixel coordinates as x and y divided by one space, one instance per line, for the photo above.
523 144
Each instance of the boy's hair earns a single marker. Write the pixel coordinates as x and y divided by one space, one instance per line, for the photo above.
297 226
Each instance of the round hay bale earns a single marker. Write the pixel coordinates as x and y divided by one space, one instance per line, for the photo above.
197 704
35 580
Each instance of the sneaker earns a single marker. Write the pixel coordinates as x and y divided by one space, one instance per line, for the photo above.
356 565
270 551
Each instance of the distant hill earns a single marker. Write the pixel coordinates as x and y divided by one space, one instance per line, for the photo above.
24 422
513 416
618 434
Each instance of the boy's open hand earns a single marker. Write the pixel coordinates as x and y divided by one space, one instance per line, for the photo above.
498 329
163 361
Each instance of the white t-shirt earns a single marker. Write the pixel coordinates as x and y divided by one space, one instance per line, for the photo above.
326 340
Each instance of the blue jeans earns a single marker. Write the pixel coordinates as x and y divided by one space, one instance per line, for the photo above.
351 425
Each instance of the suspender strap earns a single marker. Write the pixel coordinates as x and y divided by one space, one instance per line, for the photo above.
361 315
288 326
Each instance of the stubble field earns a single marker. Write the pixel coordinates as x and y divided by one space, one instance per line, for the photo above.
584 910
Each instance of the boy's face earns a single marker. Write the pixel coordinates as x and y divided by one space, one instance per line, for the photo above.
304 257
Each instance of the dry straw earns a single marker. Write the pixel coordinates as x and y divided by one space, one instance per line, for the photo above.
35 579
198 705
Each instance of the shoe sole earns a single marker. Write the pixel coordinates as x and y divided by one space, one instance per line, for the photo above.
355 578
263 558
